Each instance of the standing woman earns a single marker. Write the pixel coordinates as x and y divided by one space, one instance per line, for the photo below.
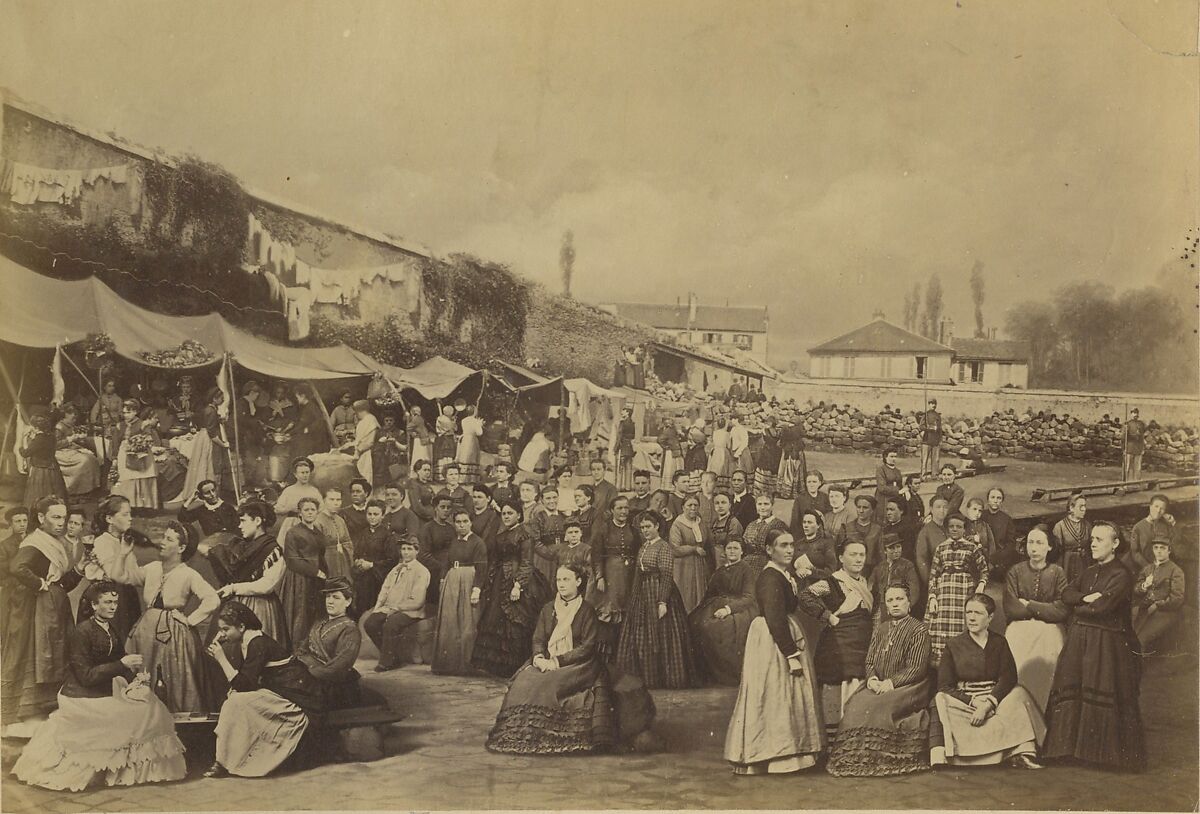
220 469
78 464
809 498
389 454
278 423
311 433
720 623
366 427
766 472
725 526
270 693
654 642
614 546
888 482
287 505
458 604
793 466
719 462
625 435
914 504
249 568
137 476
444 443
166 636
515 595
45 479
672 447
776 724
467 454
885 727
688 540
106 413
1071 537
111 559
844 601
304 573
1093 714
958 571
1035 611
420 447
695 460
33 658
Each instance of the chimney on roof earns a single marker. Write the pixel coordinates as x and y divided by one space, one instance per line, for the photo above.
946 334
879 314
693 301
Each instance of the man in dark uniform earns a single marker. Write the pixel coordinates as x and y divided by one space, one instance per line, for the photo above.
931 439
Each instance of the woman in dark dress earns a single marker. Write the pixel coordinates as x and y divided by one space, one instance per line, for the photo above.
721 622
332 646
250 567
311 433
888 482
766 463
33 657
614 545
265 714
654 642
389 455
809 498
725 526
776 723
45 478
793 465
516 593
1093 714
562 701
844 601
304 575
375 554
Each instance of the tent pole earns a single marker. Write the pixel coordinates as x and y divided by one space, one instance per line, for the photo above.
235 464
86 380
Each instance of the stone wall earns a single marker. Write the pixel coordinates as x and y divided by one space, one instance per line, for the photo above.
965 402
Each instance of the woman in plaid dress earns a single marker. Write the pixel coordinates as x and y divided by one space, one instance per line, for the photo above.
654 641
959 571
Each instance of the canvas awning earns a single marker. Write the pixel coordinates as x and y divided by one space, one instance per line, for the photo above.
435 378
42 312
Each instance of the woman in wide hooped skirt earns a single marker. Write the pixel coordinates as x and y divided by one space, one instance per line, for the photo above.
776 723
654 642
562 701
1093 715
105 727
885 726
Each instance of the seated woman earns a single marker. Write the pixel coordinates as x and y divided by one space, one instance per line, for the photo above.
720 624
1036 613
166 636
78 463
776 723
1157 596
983 717
885 725
265 714
563 701
104 725
844 602
331 647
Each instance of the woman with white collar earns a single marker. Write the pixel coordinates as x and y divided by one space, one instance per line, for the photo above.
775 728
270 694
561 702
845 603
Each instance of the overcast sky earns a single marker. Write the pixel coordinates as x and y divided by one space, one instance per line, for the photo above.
814 157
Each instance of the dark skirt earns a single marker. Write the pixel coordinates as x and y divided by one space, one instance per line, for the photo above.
882 735
45 671
1093 713
842 651
44 481
563 711
366 591
721 643
657 650
504 637
302 602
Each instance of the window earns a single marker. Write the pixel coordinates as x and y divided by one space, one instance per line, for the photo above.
970 371
824 366
1005 373
712 339
847 367
922 367
977 372
962 371
743 341
885 367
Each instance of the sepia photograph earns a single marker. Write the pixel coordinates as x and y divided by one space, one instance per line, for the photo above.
778 405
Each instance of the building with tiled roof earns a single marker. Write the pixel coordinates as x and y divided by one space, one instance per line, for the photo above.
883 351
722 328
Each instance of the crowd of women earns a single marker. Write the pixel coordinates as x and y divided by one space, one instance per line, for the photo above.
872 631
